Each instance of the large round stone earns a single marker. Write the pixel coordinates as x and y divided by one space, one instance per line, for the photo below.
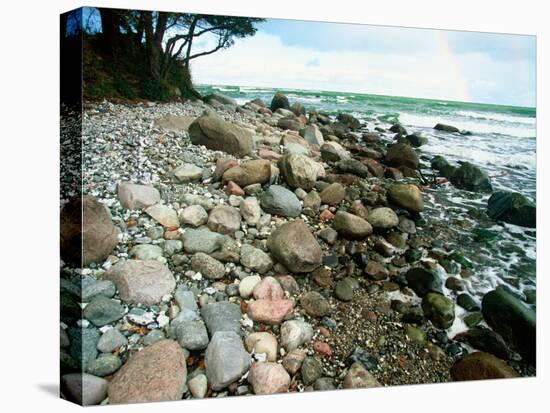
217 134
156 373
293 245
351 226
134 196
299 171
383 218
407 196
278 200
248 173
144 282
268 378
87 231
481 366
402 154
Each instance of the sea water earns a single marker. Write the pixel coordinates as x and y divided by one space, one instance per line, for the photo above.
501 140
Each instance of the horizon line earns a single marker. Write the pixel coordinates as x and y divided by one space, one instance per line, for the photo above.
372 94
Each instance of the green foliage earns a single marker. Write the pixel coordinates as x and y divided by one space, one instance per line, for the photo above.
153 89
124 88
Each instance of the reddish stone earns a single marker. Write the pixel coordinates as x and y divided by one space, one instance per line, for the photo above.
269 155
268 378
270 311
269 289
394 173
344 179
324 331
326 215
234 189
172 235
322 348
156 373
222 165
375 167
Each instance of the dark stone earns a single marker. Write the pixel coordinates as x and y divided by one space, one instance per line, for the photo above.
484 339
349 120
423 281
402 154
512 319
471 178
330 260
446 128
439 310
416 140
398 128
512 207
467 302
364 358
279 101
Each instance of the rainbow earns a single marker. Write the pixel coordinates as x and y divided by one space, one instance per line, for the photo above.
454 69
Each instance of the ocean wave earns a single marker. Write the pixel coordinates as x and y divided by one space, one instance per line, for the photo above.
471 125
499 117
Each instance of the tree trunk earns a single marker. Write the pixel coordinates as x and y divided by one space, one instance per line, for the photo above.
110 31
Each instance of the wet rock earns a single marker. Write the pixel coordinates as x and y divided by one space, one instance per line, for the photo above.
295 247
351 226
224 219
416 140
295 333
487 340
438 309
472 178
358 377
156 373
401 154
279 101
423 281
446 128
207 266
315 304
87 233
278 200
406 196
376 271
226 359
219 135
481 366
513 319
349 120
513 208
268 378
144 282
133 196
354 167
383 218
398 128
257 171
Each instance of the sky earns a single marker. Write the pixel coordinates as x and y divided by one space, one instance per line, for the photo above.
382 60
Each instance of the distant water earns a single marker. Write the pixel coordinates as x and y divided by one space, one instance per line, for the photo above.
502 142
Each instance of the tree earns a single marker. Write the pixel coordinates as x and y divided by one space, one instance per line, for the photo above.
168 39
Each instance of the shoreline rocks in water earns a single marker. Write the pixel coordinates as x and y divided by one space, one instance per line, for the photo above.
291 251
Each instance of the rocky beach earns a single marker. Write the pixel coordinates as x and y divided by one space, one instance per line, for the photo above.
235 248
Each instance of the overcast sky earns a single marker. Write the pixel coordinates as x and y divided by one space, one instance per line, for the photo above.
463 66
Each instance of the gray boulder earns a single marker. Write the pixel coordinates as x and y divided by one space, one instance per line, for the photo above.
226 359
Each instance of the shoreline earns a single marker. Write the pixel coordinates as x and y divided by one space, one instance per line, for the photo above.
362 275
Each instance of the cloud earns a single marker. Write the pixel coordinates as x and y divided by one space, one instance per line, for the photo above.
313 63
264 60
